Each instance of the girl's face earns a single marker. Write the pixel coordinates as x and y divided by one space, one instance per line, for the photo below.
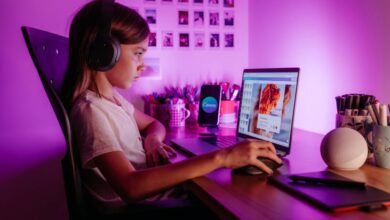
129 66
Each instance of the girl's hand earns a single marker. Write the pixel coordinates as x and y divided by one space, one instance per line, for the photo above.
157 153
246 153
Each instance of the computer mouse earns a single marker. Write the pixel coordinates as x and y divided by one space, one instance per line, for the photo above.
252 170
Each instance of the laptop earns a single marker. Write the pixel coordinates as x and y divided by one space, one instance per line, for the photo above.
266 112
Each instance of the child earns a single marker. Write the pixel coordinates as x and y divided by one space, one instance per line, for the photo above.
117 163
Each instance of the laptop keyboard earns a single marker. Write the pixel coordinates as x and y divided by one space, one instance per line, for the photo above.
221 141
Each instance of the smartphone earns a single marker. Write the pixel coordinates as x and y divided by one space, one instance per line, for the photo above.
210 98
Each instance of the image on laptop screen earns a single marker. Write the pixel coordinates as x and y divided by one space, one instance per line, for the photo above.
267 104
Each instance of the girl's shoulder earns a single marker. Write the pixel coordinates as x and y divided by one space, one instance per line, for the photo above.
86 102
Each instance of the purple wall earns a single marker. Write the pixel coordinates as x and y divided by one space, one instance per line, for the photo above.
31 142
341 47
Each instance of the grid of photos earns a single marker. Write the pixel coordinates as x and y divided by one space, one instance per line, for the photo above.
200 24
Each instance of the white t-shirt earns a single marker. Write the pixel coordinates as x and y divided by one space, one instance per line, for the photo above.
100 127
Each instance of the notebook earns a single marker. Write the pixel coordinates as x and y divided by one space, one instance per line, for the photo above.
266 112
332 197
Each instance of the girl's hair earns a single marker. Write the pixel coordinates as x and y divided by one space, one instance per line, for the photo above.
127 26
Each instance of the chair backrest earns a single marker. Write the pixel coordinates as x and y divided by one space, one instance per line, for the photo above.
49 53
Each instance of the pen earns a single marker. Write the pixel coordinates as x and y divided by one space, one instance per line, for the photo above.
383 114
355 104
325 181
372 114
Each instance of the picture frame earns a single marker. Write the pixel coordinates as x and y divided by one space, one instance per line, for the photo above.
199 40
228 18
167 39
152 39
151 15
184 40
213 18
198 18
228 40
183 18
228 3
214 40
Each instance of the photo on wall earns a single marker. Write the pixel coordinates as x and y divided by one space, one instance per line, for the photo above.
213 18
166 1
228 3
152 68
151 16
152 39
198 2
167 39
214 40
183 17
198 18
150 1
184 40
183 1
229 40
228 18
199 39
213 2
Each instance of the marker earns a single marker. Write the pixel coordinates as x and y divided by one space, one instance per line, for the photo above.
383 115
326 181
372 114
375 107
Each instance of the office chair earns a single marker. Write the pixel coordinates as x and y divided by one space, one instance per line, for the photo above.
49 53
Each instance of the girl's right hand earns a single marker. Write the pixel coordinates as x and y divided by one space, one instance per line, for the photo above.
246 153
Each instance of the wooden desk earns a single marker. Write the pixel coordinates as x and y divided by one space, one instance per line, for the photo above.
236 196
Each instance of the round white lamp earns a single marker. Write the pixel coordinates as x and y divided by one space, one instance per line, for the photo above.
344 149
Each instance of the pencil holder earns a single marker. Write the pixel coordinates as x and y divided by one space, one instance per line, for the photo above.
362 124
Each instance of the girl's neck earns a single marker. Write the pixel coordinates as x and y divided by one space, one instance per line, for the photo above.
102 86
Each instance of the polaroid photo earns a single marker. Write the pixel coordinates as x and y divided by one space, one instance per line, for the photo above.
182 1
198 18
198 2
183 17
152 68
214 40
151 15
229 40
167 39
213 2
166 1
152 39
228 3
228 18
213 18
184 40
199 39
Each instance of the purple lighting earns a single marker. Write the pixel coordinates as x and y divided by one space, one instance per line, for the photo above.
341 47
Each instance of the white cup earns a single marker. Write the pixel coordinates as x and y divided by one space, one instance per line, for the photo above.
381 148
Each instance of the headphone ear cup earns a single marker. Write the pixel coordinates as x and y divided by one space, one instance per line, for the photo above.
103 53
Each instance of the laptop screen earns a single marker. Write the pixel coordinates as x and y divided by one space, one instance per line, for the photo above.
267 104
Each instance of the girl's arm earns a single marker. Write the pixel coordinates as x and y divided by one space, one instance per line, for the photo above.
156 151
134 185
